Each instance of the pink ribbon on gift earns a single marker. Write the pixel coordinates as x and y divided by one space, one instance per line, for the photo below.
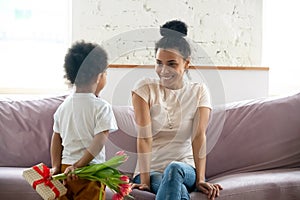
46 179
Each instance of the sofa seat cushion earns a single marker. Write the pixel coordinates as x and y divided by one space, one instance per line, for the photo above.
136 194
280 184
14 186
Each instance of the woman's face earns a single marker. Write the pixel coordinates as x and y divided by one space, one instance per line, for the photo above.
170 67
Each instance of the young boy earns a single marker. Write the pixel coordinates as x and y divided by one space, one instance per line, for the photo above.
83 121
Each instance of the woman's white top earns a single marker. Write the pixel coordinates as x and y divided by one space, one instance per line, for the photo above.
172 116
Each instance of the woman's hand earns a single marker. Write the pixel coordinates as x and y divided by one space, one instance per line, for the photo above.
212 190
140 186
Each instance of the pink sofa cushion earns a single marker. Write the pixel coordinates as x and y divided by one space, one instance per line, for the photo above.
123 139
257 135
26 130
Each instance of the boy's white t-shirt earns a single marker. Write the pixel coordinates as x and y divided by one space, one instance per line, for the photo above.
172 116
78 119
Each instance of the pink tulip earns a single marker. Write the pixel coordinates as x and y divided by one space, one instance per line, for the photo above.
117 196
125 178
120 153
125 189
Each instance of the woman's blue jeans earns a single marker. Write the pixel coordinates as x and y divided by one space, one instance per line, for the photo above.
176 182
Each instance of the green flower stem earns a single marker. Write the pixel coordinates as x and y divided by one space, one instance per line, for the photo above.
101 192
61 176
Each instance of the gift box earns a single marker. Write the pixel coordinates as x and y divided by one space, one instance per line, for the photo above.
38 177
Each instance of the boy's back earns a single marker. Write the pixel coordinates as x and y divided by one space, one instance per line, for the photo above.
78 119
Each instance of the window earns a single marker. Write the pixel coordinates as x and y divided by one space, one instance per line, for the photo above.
281 40
34 37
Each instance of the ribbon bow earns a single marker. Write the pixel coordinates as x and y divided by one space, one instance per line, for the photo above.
45 179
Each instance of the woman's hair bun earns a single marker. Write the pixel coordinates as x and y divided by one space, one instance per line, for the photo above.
174 28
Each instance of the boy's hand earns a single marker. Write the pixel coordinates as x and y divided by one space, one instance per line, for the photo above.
54 171
69 174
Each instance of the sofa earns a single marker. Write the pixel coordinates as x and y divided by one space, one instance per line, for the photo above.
253 147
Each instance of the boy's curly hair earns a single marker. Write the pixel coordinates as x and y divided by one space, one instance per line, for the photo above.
83 62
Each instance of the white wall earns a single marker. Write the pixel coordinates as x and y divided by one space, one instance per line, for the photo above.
228 31
222 33
225 86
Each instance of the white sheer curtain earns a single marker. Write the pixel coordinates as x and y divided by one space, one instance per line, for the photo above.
34 37
281 42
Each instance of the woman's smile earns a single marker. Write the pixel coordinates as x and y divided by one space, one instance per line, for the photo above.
163 77
170 67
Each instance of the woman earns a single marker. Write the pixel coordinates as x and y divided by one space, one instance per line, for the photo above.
172 116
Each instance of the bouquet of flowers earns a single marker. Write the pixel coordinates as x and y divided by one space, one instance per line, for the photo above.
107 174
